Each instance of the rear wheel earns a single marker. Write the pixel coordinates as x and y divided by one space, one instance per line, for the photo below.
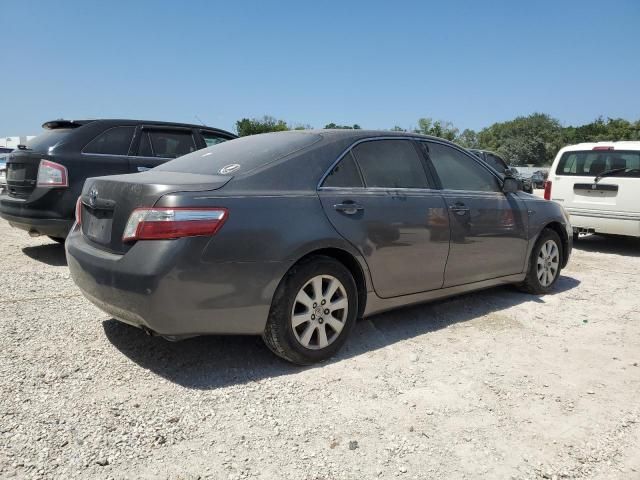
545 264
312 312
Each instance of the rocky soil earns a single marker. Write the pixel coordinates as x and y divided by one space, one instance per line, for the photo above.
496 384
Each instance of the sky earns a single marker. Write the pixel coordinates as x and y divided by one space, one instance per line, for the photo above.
375 63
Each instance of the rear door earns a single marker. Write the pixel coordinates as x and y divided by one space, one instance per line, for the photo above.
155 145
573 183
379 198
488 227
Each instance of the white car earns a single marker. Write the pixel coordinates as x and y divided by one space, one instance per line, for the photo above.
599 186
3 172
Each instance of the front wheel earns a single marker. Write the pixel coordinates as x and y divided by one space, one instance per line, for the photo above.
545 264
313 311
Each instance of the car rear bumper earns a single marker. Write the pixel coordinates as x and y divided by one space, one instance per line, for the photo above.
165 287
605 222
52 227
45 214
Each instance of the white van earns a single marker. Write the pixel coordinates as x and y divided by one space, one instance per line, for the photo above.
599 186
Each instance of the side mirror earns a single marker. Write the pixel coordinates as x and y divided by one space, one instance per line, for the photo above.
510 185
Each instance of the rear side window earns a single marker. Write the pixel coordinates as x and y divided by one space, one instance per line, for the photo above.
458 171
344 174
212 139
591 163
48 138
391 164
115 141
165 143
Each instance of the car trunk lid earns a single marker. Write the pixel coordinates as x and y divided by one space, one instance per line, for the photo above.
22 165
22 172
579 185
107 202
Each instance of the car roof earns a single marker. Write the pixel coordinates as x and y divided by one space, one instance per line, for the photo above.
621 145
62 123
357 134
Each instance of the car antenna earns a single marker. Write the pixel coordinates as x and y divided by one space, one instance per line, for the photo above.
198 118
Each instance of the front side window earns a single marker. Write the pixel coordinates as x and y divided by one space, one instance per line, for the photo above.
345 174
591 163
458 171
212 139
390 164
115 141
165 144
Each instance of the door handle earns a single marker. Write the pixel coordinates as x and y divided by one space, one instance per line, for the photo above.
459 208
350 208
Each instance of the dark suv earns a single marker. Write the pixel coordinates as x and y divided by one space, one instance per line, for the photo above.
45 177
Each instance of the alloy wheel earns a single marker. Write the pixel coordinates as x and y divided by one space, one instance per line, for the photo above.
319 312
548 263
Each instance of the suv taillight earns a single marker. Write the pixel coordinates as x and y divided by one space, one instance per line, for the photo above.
52 174
79 211
547 190
168 223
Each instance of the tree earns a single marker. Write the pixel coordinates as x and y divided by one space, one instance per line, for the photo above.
397 128
254 126
534 139
468 139
439 128
599 130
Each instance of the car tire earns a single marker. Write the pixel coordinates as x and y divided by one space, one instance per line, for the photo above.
545 264
313 311
57 239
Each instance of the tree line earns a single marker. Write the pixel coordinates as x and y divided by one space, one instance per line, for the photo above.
527 140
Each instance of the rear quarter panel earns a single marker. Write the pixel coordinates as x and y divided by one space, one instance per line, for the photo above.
266 227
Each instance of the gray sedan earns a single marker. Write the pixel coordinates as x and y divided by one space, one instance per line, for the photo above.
295 235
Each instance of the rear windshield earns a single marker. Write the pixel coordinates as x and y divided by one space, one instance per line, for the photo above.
242 155
48 138
591 163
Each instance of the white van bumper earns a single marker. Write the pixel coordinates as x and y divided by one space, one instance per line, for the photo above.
601 221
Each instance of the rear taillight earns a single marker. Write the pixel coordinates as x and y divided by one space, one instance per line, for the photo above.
52 174
168 223
79 211
547 190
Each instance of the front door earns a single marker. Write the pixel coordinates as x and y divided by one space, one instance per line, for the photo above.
379 198
488 226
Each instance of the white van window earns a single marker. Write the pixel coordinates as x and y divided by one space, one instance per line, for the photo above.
594 162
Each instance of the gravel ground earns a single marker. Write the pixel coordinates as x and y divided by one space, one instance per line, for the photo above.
496 384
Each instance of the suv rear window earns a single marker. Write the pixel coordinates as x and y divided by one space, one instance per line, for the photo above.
590 163
48 138
241 155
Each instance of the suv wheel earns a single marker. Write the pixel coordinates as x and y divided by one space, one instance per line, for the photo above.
313 311
545 264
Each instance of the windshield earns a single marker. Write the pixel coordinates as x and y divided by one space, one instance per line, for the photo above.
241 155
48 138
591 163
